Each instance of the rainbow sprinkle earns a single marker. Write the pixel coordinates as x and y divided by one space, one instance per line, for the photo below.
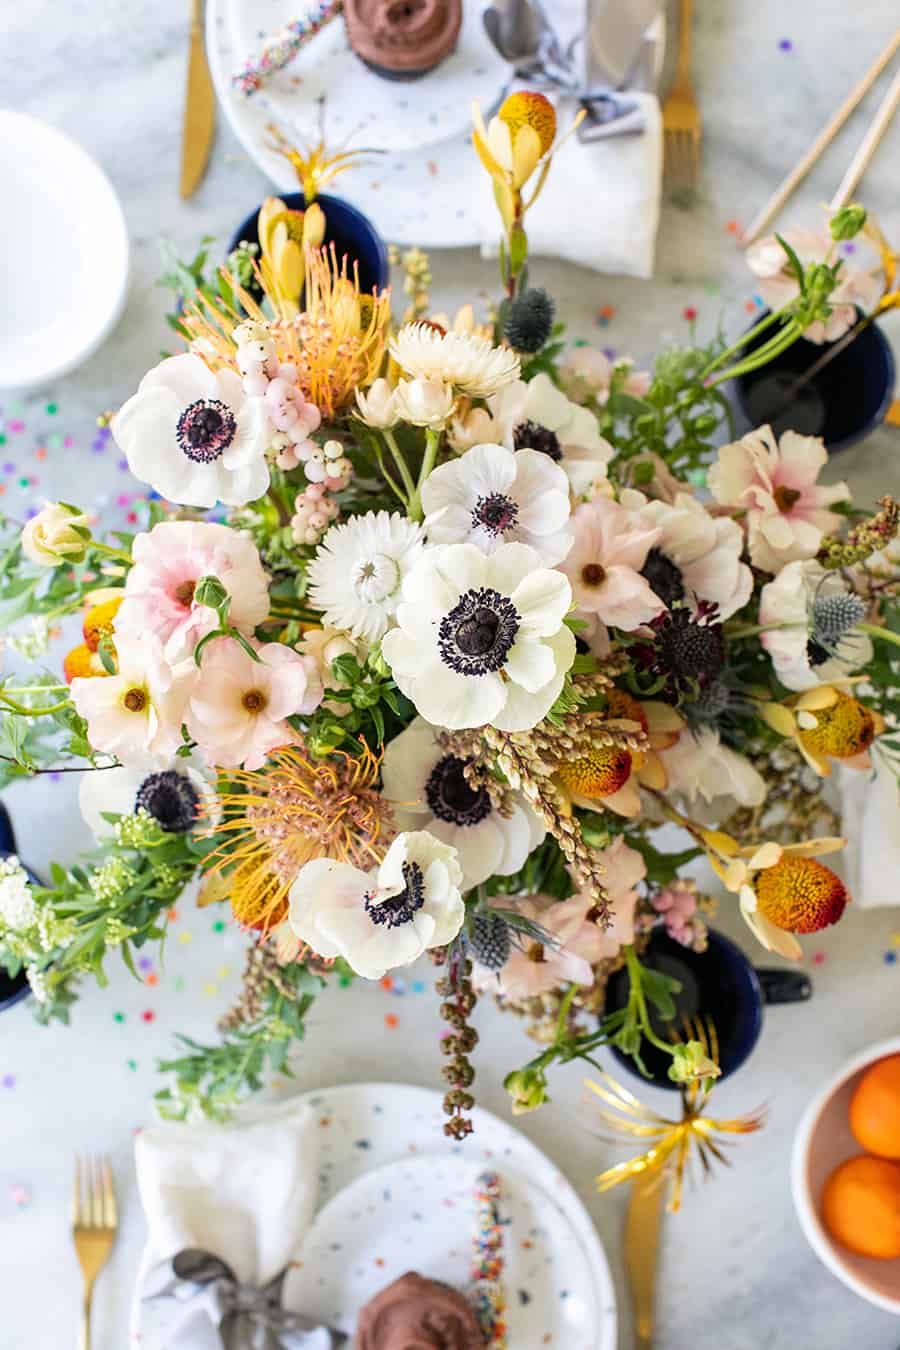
281 49
487 1293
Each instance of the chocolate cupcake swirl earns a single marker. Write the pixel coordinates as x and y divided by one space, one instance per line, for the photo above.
418 1314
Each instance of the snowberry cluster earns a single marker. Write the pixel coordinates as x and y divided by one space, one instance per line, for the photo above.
314 511
290 413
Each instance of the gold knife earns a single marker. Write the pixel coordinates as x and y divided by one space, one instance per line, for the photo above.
199 108
643 1222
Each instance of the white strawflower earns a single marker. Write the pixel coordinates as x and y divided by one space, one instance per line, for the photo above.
481 639
375 405
493 496
359 568
470 364
424 403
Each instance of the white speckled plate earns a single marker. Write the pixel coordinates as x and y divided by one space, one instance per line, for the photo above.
426 195
367 1127
393 115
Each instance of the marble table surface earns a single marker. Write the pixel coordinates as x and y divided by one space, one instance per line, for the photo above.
736 1271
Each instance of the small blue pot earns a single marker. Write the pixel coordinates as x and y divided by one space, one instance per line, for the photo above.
348 229
720 984
13 989
845 402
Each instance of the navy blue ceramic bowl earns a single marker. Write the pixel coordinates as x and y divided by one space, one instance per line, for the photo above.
348 229
720 984
13 989
845 402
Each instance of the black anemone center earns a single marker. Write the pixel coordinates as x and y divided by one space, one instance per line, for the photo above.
663 577
532 436
171 799
475 637
495 513
816 654
451 796
400 908
205 430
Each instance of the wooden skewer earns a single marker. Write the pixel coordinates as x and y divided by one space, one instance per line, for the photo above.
869 145
824 138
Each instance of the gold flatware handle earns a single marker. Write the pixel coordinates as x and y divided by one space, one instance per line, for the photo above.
643 1222
199 108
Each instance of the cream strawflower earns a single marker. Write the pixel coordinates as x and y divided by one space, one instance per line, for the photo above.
787 607
427 789
774 482
57 534
169 560
382 919
493 496
139 710
173 791
470 364
194 435
424 403
537 416
355 579
481 640
696 557
375 405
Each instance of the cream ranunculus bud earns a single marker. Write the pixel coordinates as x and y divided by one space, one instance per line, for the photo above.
313 226
376 405
424 403
58 534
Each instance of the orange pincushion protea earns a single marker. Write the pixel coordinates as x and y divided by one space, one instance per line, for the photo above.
528 109
98 621
842 730
800 895
82 662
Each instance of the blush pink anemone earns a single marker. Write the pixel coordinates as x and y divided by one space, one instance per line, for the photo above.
604 565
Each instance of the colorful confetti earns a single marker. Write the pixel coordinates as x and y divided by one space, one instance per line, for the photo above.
890 958
20 1195
391 1020
818 958
148 1016
8 1080
689 313
785 45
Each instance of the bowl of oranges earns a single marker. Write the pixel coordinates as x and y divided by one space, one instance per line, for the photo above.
845 1175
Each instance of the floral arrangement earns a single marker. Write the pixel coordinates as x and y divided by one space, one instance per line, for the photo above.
432 625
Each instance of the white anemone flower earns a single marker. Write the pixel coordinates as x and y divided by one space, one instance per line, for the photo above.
359 568
428 790
481 639
696 557
538 416
385 918
194 435
702 769
174 791
469 363
493 496
785 609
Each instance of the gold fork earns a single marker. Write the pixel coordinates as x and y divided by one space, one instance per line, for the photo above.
94 1223
680 114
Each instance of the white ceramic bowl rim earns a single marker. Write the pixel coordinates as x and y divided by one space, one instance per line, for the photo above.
815 1234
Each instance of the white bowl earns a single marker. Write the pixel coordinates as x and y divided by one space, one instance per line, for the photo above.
65 249
822 1142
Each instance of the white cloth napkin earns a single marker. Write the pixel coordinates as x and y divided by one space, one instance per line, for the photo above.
600 204
870 809
245 1192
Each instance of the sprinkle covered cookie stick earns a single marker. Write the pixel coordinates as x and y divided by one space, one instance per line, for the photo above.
487 1290
281 49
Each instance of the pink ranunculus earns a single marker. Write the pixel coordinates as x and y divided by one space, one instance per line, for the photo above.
139 710
604 565
587 372
775 483
168 563
239 707
857 287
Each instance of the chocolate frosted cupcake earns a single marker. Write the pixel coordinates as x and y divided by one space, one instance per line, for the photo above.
403 39
418 1314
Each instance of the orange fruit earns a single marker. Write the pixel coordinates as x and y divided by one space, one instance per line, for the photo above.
861 1206
875 1108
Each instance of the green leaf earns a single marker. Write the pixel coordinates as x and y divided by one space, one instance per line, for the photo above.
659 989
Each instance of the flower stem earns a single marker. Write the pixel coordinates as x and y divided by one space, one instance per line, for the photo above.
401 463
432 444
875 631
636 998
108 552
761 357
32 712
742 342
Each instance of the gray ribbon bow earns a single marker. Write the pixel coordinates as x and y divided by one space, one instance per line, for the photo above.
246 1318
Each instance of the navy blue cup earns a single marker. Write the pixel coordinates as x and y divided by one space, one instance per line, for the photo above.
719 984
13 989
348 229
846 401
